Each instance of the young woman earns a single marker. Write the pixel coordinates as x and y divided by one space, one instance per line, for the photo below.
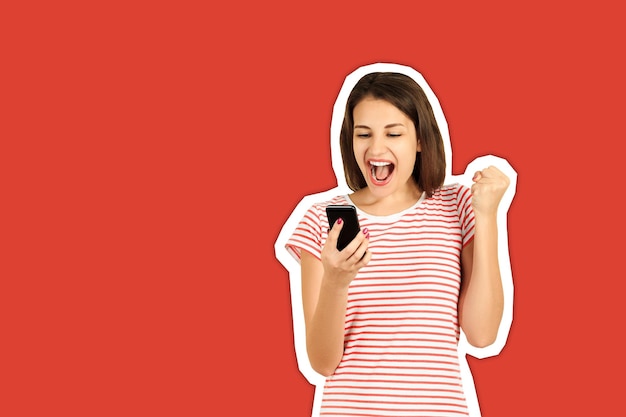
383 315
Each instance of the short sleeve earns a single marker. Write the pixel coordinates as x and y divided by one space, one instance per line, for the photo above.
466 213
308 234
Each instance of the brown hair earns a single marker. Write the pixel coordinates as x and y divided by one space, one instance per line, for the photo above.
404 93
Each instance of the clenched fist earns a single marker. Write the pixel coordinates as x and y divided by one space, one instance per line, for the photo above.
487 191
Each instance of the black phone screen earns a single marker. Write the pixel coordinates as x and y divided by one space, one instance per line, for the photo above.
351 223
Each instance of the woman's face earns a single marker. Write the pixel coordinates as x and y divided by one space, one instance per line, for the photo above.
385 146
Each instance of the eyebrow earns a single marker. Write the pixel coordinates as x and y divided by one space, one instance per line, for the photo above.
386 127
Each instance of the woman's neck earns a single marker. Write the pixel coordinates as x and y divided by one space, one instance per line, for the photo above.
385 205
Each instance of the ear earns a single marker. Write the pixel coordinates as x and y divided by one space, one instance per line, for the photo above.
419 145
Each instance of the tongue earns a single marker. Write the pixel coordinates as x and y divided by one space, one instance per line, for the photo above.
381 173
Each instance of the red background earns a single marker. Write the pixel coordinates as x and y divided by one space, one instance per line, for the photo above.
151 152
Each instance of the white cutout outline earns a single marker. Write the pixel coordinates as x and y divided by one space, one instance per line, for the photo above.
290 225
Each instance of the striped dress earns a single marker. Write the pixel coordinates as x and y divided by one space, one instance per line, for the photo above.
401 328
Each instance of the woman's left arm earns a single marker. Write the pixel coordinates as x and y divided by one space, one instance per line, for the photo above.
481 301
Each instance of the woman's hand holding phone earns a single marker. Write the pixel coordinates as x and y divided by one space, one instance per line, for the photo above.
340 267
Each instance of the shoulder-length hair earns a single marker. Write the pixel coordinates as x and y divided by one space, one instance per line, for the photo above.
404 93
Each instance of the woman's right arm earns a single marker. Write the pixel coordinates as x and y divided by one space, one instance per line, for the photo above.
325 286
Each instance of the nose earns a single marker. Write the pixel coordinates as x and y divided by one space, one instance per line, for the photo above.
378 145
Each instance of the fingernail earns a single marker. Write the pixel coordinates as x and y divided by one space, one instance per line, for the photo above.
339 220
367 236
365 231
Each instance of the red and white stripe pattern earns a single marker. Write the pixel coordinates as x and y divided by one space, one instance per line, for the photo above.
402 330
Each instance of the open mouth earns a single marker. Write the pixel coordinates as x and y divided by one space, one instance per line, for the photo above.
381 171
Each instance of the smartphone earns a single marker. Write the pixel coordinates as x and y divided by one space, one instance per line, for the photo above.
351 226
